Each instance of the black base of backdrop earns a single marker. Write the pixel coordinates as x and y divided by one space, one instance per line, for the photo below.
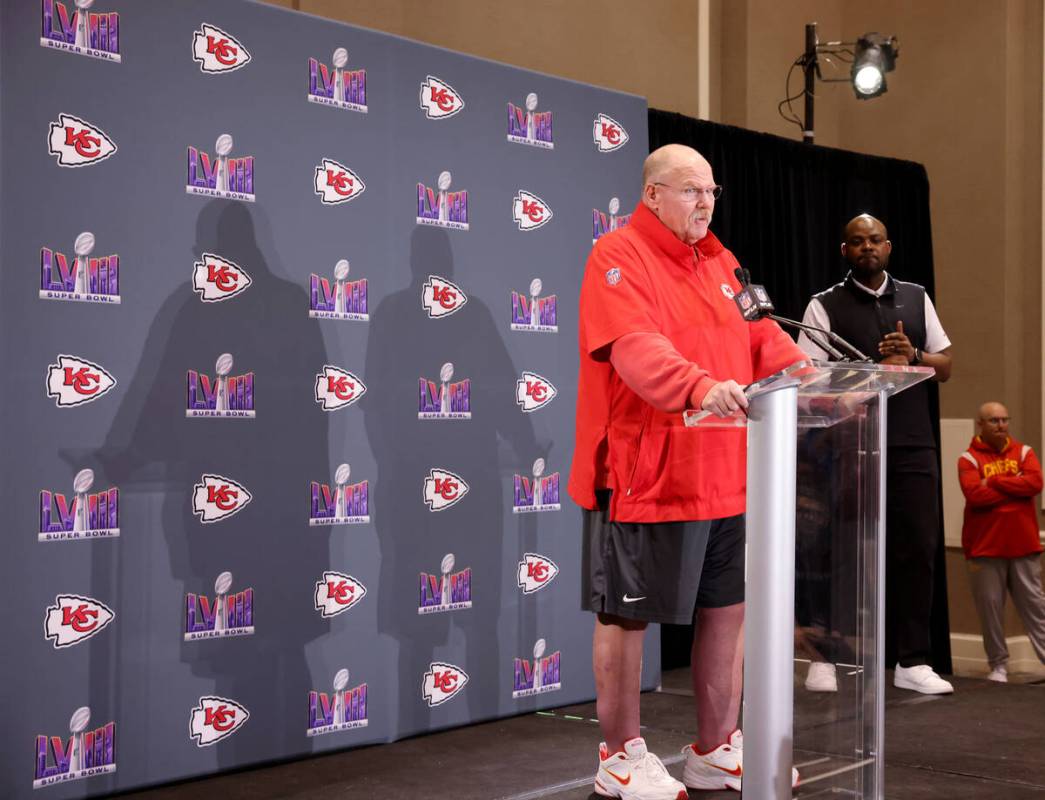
782 213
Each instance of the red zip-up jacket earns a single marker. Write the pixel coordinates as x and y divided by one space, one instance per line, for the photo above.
642 280
1001 520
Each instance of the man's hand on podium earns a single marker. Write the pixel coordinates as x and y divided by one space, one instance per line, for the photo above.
724 398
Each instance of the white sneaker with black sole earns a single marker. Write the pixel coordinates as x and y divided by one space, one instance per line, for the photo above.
920 678
635 774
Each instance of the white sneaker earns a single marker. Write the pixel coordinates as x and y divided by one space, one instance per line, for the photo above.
722 768
921 678
822 677
1000 674
635 774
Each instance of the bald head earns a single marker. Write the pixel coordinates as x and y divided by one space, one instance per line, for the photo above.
864 221
677 186
992 425
866 247
664 161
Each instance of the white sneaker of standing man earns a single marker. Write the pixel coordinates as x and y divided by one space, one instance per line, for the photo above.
635 774
1000 674
921 678
822 677
722 768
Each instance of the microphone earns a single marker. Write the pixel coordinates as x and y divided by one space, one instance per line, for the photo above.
754 304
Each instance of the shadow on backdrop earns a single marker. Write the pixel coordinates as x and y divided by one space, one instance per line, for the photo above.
405 345
154 450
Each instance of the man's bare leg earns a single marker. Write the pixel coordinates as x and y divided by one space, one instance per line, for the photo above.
617 663
717 665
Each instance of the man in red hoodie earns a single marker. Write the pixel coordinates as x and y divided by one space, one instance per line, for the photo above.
659 334
999 478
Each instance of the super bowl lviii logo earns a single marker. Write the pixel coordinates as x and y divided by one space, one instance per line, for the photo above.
217 51
529 211
530 126
440 206
538 676
446 591
533 392
90 515
539 493
74 381
216 498
447 399
337 388
336 593
442 489
603 223
77 143
441 297
344 299
341 710
439 99
222 176
531 312
442 682
230 614
337 86
84 755
227 395
90 279
214 719
608 134
347 504
86 33
74 619
335 183
215 278
535 572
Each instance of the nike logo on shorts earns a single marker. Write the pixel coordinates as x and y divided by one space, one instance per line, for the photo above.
632 599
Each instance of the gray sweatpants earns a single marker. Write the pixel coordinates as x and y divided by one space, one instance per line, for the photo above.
990 577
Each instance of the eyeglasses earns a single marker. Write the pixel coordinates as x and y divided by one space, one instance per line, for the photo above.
691 193
997 420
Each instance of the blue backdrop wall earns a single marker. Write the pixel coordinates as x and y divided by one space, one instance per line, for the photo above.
289 322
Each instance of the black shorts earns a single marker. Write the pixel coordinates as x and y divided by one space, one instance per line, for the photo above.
660 571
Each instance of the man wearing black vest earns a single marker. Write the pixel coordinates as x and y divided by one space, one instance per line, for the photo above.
895 323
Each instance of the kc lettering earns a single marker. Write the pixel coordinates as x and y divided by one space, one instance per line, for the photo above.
214 719
74 381
217 51
78 143
74 619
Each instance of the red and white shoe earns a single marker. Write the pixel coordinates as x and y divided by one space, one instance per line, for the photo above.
635 774
722 768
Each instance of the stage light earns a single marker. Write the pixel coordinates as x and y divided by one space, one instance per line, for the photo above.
875 56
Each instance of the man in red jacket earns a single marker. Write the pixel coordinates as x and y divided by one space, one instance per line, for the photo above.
1000 477
659 334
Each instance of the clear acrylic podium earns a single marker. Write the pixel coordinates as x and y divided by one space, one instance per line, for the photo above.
815 588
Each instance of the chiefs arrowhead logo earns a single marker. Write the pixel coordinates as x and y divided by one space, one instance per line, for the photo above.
529 211
533 392
78 143
337 388
214 719
217 51
74 381
438 98
441 298
74 619
336 183
336 593
216 279
216 498
442 489
536 572
442 682
609 135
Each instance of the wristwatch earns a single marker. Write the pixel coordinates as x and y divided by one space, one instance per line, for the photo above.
917 356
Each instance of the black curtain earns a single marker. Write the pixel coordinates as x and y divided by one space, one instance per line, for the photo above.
782 213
